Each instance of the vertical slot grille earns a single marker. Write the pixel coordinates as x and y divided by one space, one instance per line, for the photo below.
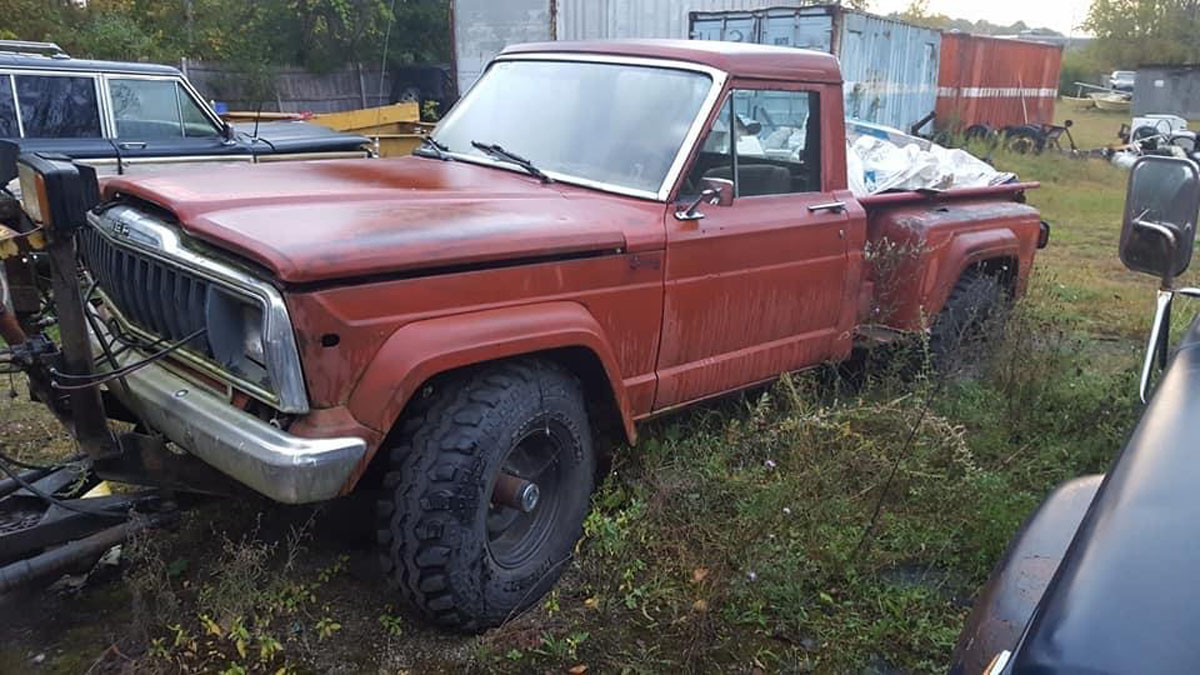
158 298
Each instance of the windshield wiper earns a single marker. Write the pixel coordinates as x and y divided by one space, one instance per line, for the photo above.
503 155
439 149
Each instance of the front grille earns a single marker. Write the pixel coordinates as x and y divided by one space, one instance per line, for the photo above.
158 298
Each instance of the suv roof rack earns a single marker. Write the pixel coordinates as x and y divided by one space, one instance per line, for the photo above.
27 47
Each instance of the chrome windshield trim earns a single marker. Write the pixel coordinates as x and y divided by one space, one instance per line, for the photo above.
717 76
132 229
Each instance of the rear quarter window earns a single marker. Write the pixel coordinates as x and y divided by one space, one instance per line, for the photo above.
58 106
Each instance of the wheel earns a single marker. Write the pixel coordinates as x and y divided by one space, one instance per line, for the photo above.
972 314
1024 139
1146 137
978 133
486 493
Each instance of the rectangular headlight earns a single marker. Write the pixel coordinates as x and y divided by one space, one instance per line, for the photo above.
55 192
33 193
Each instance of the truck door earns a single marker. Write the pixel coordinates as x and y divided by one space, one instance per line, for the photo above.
157 122
755 288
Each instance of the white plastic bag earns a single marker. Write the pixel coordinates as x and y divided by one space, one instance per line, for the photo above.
880 159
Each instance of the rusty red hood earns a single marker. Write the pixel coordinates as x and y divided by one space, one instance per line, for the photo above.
331 219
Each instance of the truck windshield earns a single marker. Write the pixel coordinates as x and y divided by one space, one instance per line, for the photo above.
615 124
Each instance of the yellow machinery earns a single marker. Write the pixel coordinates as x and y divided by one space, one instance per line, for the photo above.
395 129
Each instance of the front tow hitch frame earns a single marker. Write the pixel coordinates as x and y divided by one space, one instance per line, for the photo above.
52 518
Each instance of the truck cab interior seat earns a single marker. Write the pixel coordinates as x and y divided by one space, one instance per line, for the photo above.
756 179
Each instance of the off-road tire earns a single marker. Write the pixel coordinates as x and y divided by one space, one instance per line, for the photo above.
973 314
433 518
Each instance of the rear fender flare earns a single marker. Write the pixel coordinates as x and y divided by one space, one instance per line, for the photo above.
421 350
964 251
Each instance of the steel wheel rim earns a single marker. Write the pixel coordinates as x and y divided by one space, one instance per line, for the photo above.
513 537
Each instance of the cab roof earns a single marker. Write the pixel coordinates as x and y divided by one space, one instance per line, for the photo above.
62 62
739 59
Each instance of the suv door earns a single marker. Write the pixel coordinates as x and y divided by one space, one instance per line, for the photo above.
53 112
754 289
157 121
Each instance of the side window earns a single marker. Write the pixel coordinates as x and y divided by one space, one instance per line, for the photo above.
195 123
145 109
778 146
780 150
8 110
58 107
715 159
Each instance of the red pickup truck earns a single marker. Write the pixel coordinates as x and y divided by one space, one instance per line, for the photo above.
596 234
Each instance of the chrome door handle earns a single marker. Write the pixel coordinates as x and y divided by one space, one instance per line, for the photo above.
133 145
830 206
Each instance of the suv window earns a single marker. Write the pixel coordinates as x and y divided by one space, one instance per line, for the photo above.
8 110
778 148
195 123
58 107
154 109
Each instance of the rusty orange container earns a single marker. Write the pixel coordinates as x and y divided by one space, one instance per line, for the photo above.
996 81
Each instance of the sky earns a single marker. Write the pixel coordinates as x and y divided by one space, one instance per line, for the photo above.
1061 15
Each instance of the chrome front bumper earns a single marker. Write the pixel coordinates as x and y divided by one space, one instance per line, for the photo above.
281 466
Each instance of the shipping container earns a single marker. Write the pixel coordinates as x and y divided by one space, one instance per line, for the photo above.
890 67
1000 82
481 28
1172 90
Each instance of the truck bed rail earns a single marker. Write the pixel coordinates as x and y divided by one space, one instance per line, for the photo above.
918 196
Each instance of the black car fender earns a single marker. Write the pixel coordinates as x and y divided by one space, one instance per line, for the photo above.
1015 587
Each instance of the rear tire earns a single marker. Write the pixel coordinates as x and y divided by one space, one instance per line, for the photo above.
461 561
973 314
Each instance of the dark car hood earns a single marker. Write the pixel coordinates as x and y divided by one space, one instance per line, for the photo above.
338 219
293 136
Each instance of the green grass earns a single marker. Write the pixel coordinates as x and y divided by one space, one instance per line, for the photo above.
737 536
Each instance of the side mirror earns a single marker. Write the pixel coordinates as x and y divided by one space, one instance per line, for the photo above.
715 191
228 132
1159 227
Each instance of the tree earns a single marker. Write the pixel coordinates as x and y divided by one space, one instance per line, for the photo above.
918 13
320 35
39 20
115 36
1130 33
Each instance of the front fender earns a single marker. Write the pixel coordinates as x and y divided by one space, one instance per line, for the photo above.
420 350
1015 588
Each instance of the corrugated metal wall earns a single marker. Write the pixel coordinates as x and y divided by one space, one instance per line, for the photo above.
615 19
996 81
890 67
803 27
484 27
1172 90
